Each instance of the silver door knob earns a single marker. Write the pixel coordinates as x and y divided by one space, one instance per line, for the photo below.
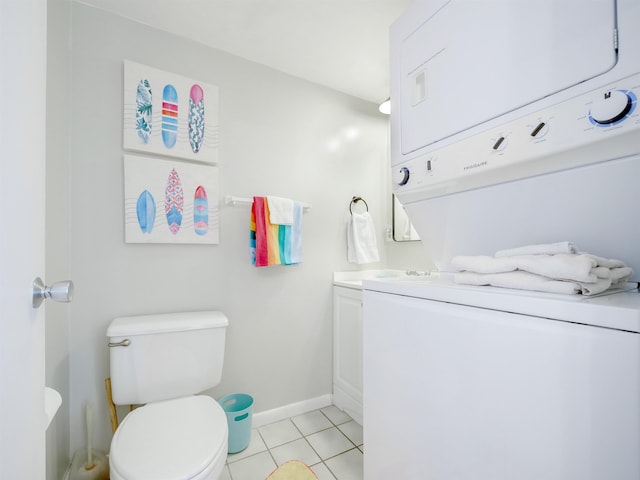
58 292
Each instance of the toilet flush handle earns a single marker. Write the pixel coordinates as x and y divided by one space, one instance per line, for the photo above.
124 343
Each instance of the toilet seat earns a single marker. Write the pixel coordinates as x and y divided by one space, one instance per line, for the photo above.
184 438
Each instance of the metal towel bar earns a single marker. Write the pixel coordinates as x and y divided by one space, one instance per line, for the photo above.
233 201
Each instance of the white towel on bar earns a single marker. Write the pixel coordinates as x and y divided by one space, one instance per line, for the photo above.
362 246
280 210
530 281
296 234
543 248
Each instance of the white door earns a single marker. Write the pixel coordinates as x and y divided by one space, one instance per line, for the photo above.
22 167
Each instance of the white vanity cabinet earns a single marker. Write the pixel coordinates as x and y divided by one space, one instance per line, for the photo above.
347 350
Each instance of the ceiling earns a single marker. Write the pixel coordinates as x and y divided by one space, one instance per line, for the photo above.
341 44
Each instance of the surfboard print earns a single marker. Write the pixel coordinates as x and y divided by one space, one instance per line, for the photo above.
196 117
200 211
146 211
169 115
144 110
174 202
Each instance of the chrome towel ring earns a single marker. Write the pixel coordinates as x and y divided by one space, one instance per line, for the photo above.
355 200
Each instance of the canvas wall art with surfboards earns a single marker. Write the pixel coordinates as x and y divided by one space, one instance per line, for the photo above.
168 201
169 115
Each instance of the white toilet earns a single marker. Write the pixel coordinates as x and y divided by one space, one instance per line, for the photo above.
164 361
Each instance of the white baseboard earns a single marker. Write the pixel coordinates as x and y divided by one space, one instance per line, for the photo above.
347 403
275 415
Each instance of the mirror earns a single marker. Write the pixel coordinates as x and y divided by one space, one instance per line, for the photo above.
403 230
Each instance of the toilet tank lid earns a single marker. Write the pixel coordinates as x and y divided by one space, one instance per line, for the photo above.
166 322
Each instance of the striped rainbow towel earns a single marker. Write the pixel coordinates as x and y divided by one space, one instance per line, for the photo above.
273 244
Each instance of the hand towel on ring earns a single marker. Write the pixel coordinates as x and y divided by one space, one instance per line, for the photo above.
361 239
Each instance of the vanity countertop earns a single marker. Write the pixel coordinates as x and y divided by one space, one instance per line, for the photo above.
354 279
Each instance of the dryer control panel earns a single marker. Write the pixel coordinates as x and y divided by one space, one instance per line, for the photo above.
600 125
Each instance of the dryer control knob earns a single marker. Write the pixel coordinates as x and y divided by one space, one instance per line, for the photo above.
401 176
540 130
500 144
613 106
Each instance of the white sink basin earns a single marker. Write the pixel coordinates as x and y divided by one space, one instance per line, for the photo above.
52 402
354 279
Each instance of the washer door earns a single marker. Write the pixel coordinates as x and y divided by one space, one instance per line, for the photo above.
169 440
466 393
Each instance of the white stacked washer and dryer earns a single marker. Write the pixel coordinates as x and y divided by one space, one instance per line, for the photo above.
513 123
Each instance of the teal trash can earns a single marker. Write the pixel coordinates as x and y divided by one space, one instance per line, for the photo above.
238 407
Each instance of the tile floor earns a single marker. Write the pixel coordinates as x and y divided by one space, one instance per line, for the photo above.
327 440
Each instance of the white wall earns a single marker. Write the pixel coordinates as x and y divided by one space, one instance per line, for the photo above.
278 135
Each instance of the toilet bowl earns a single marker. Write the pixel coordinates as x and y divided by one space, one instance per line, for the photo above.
184 438
164 362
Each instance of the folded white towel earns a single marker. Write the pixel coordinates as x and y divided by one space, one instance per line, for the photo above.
594 288
544 248
601 272
362 246
530 281
606 262
620 275
483 264
559 267
280 210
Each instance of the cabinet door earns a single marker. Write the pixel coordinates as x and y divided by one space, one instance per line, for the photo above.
347 350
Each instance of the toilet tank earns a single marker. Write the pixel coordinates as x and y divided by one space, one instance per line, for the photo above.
158 357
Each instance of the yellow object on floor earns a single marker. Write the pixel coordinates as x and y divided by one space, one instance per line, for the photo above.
292 470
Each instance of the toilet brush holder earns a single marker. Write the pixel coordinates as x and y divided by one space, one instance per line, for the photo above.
80 469
89 464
